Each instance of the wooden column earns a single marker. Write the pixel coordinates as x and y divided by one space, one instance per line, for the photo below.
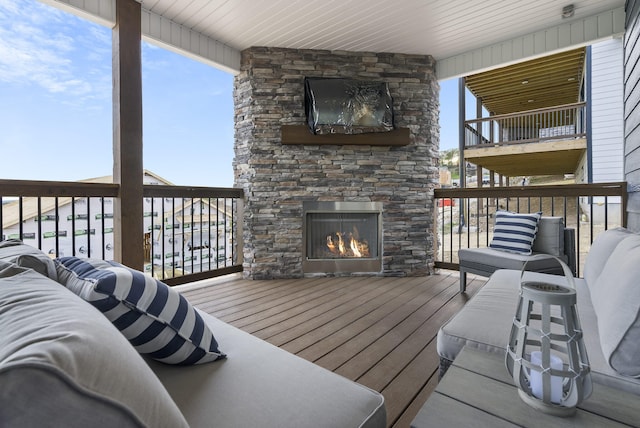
127 135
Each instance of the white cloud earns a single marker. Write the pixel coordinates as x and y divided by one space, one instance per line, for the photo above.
38 45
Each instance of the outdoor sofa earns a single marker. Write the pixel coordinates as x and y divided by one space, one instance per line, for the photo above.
608 303
65 362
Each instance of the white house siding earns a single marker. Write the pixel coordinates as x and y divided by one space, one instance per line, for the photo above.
632 111
607 111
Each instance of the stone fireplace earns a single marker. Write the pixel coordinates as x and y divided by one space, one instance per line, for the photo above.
280 180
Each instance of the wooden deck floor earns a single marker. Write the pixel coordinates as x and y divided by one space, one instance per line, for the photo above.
379 332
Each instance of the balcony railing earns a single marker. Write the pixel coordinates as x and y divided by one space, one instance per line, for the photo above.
547 124
465 216
190 233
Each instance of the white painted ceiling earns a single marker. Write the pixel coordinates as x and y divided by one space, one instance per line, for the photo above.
441 28
464 36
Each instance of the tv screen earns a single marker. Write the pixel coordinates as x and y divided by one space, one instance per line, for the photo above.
347 106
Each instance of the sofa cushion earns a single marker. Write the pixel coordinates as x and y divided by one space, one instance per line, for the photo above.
490 260
485 324
485 321
156 319
600 251
260 385
14 251
616 301
550 236
514 232
63 364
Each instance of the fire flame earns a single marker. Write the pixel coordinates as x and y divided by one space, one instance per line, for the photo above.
354 247
338 247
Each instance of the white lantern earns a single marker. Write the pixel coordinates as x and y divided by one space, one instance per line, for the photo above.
546 355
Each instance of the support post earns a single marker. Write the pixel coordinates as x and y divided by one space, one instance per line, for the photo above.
127 135
461 145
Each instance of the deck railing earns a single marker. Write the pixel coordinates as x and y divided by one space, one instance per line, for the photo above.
546 124
191 233
464 217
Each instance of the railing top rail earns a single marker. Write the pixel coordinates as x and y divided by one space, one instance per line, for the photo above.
56 188
593 189
31 188
527 112
161 191
572 136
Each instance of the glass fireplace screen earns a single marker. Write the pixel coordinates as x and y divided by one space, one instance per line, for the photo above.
342 235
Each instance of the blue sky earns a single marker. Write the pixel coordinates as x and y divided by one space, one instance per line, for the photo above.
56 118
449 114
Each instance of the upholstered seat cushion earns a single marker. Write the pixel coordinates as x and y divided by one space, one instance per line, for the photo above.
260 385
63 364
490 260
485 324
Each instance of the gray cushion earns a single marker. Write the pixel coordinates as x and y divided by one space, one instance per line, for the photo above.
599 253
14 251
616 301
485 321
63 364
485 324
156 319
260 385
488 259
550 236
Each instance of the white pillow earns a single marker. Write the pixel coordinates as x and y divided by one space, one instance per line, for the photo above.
157 320
514 232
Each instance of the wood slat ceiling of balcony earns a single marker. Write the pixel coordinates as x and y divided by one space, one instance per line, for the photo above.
544 82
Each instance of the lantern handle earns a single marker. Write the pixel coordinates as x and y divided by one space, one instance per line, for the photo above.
567 271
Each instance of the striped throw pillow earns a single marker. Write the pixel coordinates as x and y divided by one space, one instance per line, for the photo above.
157 320
515 232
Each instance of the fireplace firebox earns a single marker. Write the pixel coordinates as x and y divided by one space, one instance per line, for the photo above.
342 237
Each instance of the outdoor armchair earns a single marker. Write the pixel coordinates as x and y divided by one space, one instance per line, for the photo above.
552 238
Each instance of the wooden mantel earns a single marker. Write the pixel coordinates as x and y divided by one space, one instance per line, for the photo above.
300 134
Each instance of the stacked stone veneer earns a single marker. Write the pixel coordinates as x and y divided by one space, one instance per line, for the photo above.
276 178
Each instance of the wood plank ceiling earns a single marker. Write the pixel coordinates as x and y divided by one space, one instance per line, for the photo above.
435 27
544 82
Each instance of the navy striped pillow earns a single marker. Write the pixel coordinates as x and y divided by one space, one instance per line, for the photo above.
515 232
157 320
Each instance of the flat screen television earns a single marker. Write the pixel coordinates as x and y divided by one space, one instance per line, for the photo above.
347 106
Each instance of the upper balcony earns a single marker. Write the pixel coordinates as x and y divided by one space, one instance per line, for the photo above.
531 118
546 141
